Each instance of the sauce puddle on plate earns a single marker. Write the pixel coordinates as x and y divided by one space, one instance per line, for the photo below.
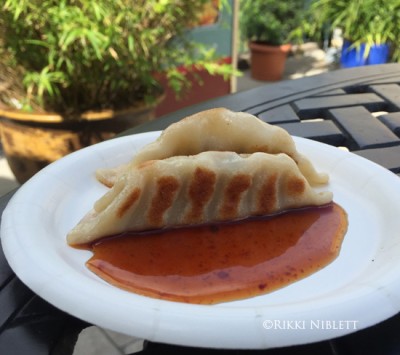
222 262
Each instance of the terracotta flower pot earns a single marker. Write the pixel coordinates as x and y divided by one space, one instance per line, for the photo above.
268 62
32 141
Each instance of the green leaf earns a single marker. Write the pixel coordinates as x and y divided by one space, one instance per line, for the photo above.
77 55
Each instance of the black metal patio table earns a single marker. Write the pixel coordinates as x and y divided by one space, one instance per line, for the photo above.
357 108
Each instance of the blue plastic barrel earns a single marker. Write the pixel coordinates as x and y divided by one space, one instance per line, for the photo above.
379 54
354 57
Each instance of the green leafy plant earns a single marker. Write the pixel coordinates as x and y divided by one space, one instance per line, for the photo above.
270 21
73 56
373 22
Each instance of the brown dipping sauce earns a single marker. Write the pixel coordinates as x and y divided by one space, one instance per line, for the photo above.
222 262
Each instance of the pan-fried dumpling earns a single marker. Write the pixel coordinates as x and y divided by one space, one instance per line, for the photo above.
219 129
188 190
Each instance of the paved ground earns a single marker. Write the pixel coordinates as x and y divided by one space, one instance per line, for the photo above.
96 341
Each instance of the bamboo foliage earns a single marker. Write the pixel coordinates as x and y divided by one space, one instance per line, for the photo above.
78 55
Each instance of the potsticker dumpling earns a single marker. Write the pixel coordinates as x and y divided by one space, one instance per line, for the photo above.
190 190
219 129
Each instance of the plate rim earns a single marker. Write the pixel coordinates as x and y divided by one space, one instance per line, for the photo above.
154 311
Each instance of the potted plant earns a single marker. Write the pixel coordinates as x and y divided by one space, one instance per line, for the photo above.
267 24
73 73
369 27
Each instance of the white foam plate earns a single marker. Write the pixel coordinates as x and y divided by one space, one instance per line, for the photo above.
359 289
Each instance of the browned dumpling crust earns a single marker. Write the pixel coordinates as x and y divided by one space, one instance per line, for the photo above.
208 187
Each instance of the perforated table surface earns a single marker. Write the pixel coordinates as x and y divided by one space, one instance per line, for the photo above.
356 108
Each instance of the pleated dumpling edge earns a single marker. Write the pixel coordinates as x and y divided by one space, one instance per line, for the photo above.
219 129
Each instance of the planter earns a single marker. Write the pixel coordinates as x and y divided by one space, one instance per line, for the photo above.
354 57
268 62
32 141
